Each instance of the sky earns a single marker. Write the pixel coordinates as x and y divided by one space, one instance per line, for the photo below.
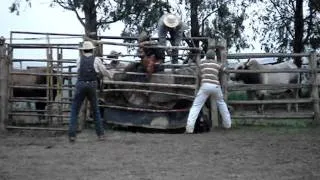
42 18
39 18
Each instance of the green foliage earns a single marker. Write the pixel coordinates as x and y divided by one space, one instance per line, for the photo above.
215 18
225 19
277 32
237 95
315 4
15 6
144 16
279 125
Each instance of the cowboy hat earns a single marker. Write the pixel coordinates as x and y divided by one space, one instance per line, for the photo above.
87 45
115 53
171 20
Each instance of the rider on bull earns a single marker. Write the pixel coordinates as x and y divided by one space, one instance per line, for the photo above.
151 57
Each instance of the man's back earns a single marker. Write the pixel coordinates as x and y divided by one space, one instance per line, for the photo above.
209 69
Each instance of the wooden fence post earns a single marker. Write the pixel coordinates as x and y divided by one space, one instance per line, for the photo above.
222 49
3 85
315 90
213 105
60 84
222 58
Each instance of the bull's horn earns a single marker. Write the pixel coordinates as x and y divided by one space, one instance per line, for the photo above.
247 61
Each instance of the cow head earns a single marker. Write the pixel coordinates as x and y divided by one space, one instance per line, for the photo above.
247 78
239 76
305 78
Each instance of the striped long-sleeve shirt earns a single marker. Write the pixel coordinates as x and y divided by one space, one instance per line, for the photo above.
209 69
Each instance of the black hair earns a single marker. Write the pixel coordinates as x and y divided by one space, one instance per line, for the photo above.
157 52
88 50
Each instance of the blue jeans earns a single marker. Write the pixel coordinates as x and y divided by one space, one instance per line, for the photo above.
85 89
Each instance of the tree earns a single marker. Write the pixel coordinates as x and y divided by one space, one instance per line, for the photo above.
130 11
145 16
218 19
288 26
315 5
15 6
99 14
206 18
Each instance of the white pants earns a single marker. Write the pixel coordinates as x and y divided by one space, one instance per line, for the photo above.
204 92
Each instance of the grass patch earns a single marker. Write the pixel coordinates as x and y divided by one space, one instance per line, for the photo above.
286 123
237 95
279 126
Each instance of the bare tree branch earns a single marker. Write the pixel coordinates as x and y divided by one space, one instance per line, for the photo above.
70 7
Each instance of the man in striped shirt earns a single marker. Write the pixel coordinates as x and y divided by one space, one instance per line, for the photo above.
210 85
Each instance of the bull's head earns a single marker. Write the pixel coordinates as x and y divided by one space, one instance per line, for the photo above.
239 76
248 78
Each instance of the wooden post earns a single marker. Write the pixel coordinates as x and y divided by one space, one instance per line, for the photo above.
49 83
213 105
59 95
3 85
315 90
222 58
222 49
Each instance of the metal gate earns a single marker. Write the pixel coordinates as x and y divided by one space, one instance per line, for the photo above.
39 89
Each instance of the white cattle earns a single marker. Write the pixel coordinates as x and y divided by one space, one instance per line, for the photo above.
306 80
267 78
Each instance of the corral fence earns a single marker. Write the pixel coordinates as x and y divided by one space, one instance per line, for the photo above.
37 89
46 97
59 74
161 84
308 106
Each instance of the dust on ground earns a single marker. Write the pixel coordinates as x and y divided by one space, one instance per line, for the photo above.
243 153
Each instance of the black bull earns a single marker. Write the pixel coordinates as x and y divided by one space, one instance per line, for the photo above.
28 77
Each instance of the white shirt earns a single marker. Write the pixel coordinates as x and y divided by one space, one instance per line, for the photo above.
98 66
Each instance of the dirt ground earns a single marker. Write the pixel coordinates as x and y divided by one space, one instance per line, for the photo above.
242 153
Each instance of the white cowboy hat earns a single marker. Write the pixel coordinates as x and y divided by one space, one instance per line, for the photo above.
87 45
171 20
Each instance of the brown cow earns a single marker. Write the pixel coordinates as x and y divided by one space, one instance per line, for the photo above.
32 80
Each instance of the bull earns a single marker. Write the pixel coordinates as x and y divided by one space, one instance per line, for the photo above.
306 79
28 79
267 78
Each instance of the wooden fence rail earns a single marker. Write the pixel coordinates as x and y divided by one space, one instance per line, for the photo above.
265 55
149 84
282 101
245 87
314 99
5 72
